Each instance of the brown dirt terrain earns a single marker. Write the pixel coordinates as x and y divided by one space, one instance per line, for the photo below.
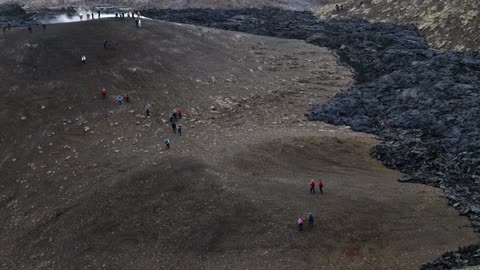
86 183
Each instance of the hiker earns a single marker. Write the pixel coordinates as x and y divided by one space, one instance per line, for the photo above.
44 26
300 224
29 28
174 115
320 186
180 113
84 59
310 219
9 25
88 15
341 7
312 186
167 143
116 14
128 14
179 129
174 127
139 23
126 97
105 43
147 110
98 14
120 99
104 92
93 15
337 7
81 16
136 23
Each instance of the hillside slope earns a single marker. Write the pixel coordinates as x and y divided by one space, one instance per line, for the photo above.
87 183
447 24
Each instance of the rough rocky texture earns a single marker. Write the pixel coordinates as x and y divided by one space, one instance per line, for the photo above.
420 100
449 24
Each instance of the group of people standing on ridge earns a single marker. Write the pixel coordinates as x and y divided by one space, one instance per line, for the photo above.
89 14
300 220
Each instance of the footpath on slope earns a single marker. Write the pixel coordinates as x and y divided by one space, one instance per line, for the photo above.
421 101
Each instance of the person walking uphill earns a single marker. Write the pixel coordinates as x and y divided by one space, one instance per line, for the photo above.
300 224
174 126
310 219
167 143
320 186
312 186
104 92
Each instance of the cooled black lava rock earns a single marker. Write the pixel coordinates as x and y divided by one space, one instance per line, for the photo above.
422 102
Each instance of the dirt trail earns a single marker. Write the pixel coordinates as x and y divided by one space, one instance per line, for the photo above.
86 183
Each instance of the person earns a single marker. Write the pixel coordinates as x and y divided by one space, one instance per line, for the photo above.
180 113
300 224
81 16
139 23
105 43
44 26
320 186
29 28
126 97
174 115
337 7
128 14
9 25
84 59
179 129
147 110
93 15
116 14
98 14
341 7
88 15
312 186
310 219
136 23
174 127
120 99
167 143
104 92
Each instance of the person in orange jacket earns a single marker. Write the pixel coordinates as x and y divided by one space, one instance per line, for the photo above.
312 186
320 186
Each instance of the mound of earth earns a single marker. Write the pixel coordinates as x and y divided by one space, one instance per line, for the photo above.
411 95
87 183
447 24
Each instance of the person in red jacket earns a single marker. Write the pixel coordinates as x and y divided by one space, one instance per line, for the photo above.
104 92
320 186
180 113
312 186
126 97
